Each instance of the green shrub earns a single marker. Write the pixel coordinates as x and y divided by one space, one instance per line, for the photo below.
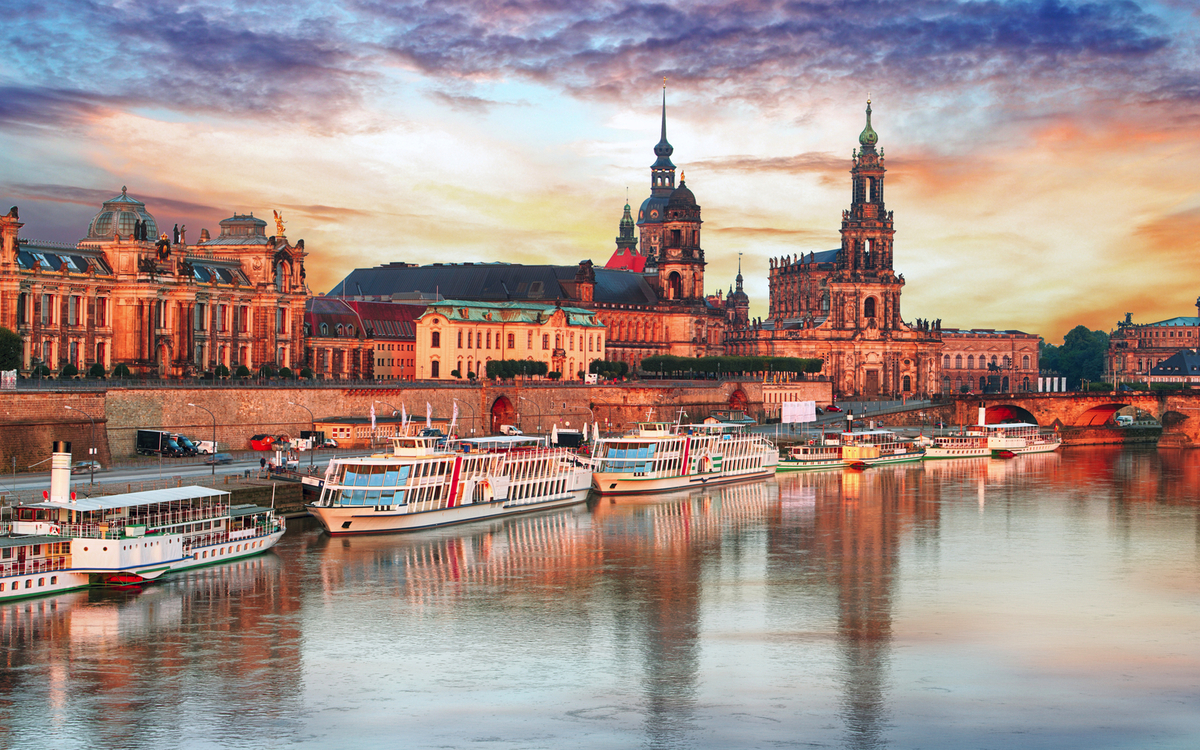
121 371
96 370
243 371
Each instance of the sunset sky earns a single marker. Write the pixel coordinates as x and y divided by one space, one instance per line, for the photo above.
1043 158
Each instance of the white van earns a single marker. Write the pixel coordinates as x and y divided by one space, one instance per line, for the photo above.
206 447
1124 420
507 429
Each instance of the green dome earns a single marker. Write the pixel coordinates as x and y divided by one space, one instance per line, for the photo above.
868 138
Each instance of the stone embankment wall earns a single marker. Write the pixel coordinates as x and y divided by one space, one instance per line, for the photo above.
30 421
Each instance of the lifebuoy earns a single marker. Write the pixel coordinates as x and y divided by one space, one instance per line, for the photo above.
53 531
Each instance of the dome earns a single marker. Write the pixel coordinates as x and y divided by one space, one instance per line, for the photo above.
118 215
868 138
653 210
681 197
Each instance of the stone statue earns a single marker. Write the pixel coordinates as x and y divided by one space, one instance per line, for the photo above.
12 213
278 223
176 234
164 247
183 235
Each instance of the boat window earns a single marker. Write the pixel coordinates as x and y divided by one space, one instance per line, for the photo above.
376 477
351 473
390 476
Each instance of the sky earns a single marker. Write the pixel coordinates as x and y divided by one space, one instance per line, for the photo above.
1042 156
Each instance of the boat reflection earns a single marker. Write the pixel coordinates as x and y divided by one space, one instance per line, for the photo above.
107 665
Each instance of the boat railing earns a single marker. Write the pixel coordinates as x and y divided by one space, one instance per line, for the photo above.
30 567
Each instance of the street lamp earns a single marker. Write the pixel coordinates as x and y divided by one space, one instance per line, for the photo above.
311 448
214 440
472 408
92 449
395 411
539 410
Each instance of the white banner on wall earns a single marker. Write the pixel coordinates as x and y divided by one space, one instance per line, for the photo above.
798 411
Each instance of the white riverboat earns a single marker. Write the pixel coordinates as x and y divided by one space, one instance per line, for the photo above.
866 448
1012 438
824 455
665 456
420 485
67 542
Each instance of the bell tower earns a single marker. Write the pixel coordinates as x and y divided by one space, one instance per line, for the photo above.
867 226
653 211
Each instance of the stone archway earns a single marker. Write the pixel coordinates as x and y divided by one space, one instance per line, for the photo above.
738 401
503 412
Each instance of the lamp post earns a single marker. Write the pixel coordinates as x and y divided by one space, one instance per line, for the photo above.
214 440
539 410
395 411
472 408
311 449
92 449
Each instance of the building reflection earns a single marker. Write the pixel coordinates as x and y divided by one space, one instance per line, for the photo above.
102 663
664 545
840 537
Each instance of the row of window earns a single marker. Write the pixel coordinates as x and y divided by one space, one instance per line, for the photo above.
50 309
983 361
483 340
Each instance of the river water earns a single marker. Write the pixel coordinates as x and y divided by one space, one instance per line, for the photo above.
1040 602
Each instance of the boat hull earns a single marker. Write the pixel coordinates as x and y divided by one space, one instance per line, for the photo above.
627 484
787 464
342 521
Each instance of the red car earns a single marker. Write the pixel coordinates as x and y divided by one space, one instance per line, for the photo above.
261 442
833 407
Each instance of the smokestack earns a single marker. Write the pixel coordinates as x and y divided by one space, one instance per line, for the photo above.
982 415
60 472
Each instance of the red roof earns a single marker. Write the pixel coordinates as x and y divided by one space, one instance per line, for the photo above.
626 260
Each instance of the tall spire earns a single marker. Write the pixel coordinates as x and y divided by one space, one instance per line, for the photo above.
664 149
739 276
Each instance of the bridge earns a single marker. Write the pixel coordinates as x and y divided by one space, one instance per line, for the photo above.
1178 411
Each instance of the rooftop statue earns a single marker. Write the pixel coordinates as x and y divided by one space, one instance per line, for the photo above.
278 223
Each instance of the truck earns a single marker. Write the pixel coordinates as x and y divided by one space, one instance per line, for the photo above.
157 443
186 445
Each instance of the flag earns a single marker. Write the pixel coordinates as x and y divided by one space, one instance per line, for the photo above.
428 415
454 418
372 417
403 419
554 434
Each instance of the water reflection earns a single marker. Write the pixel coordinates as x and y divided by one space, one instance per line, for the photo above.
125 668
948 602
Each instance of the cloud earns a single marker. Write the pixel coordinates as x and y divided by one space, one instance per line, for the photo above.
95 197
820 163
25 107
813 235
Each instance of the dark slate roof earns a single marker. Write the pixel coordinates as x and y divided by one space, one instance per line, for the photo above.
1185 362
492 282
1174 322
388 319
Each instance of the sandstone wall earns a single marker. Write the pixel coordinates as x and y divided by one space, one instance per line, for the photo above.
31 421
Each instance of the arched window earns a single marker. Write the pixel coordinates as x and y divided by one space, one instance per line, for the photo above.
958 361
1007 361
982 383
1025 385
512 341
825 302
946 362
869 307
1025 362
958 385
970 361
946 384
324 329
907 383
350 330
341 331
435 370
435 342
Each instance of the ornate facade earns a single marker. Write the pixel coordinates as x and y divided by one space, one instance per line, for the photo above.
128 294
843 306
1134 349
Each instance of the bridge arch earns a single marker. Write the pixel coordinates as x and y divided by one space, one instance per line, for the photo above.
1099 414
997 413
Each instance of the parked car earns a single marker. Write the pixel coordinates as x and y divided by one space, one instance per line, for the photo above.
86 467
329 443
219 458
833 407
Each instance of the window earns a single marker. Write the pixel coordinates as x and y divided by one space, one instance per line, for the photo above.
47 307
907 383
545 341
102 311
221 317
512 341
971 362
324 328
489 340
958 361
435 367
946 362
460 339
869 307
529 340
591 342
558 341
435 342
572 342
1025 362
23 308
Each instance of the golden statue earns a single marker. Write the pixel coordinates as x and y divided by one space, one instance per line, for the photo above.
278 223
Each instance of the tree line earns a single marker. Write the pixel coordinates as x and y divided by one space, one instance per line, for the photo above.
690 367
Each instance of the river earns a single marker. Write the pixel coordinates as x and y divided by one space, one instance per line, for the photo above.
1045 601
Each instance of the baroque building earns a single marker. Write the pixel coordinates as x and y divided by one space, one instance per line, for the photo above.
129 294
843 305
649 296
1135 349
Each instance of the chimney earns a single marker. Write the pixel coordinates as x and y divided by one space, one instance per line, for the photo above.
60 472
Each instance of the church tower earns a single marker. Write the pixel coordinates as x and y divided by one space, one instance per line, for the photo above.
662 183
867 227
680 259
864 289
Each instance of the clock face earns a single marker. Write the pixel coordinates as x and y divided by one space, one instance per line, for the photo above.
654 214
